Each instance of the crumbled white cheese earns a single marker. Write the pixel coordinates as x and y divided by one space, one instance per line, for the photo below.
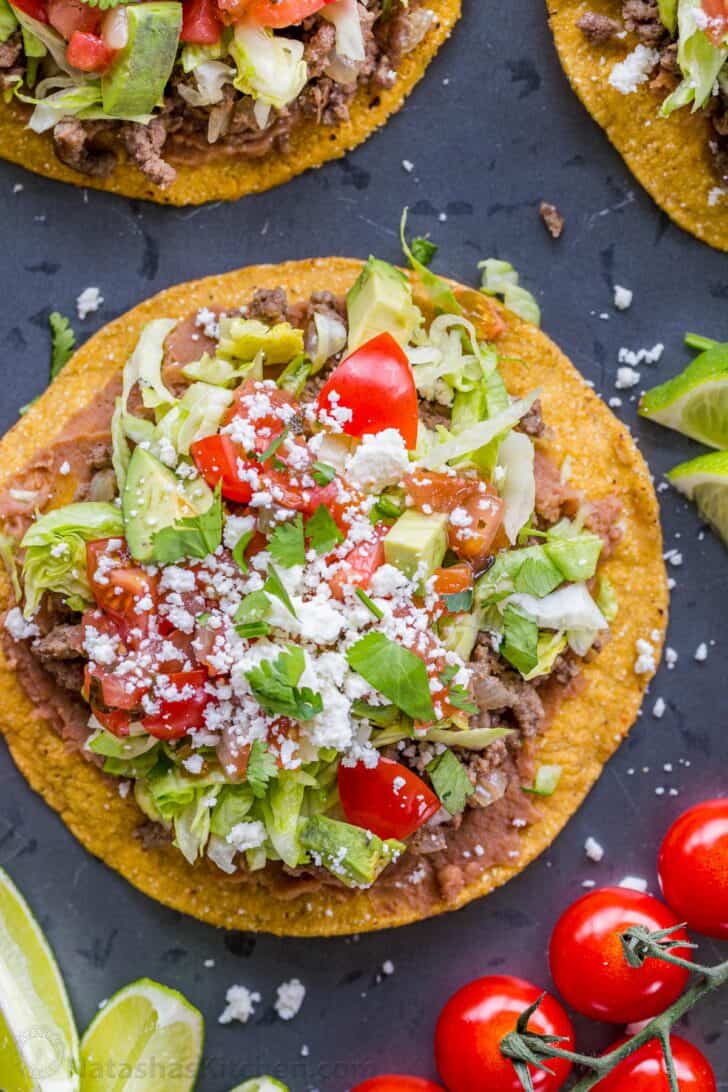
408 165
290 998
641 356
88 301
378 461
241 1004
388 967
593 849
634 70
658 709
634 883
246 836
645 663
626 378
18 627
193 764
671 658
622 297
701 652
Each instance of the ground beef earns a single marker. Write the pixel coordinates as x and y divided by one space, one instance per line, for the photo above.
10 51
532 423
144 144
643 18
501 694
73 142
269 305
318 49
403 32
598 28
552 218
62 642
432 415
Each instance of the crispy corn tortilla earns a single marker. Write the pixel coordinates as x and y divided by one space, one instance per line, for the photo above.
669 156
225 178
585 732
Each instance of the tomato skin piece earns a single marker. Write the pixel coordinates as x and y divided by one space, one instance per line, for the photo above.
176 717
116 721
268 425
644 1071
588 963
370 800
200 22
472 1024
454 579
36 9
67 16
120 589
397 1082
376 383
693 867
360 564
88 52
283 13
216 458
474 542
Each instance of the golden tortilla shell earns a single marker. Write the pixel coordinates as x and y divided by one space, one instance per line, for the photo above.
227 178
585 732
669 156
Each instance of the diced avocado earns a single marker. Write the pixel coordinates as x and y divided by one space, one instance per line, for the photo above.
459 633
575 558
134 82
381 300
243 339
417 543
152 499
355 855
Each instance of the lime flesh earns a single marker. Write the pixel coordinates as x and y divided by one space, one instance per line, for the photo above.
705 481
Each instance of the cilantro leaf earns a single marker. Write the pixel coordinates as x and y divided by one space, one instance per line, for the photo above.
63 341
275 586
261 768
322 531
450 781
395 672
274 686
458 601
369 603
458 695
423 249
286 544
193 536
239 550
251 614
384 716
322 473
273 446
520 640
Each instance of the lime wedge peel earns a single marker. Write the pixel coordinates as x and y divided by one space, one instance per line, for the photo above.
694 403
38 1038
705 481
261 1084
147 1038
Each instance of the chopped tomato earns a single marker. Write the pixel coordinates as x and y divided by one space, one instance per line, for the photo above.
360 564
68 16
116 721
216 458
387 799
375 383
232 755
180 714
343 502
88 52
268 424
283 13
283 736
442 492
122 693
717 28
123 590
36 9
455 580
474 525
200 22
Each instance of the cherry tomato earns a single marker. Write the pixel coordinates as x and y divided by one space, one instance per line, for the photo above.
475 1020
717 12
644 1071
88 52
396 1082
216 458
200 22
179 715
588 964
387 799
360 564
124 591
376 384
283 13
67 16
36 9
693 867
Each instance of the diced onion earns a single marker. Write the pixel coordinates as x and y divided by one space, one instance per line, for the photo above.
115 28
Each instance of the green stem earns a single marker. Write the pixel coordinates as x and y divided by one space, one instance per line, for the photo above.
697 341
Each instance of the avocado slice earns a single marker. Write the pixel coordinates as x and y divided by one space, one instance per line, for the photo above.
381 300
353 854
134 82
152 499
417 543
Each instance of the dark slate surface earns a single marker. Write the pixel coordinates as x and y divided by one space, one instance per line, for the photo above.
491 131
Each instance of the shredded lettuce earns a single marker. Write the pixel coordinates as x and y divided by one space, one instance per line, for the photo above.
192 55
8 22
450 447
55 551
7 556
330 339
222 373
501 279
548 648
196 414
270 67
518 485
570 609
53 42
70 100
700 61
281 810
450 355
210 77
244 339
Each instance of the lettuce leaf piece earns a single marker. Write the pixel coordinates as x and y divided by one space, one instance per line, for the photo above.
55 551
233 805
548 649
192 825
501 279
439 291
270 67
53 42
7 556
8 22
700 61
546 781
472 739
210 77
569 609
449 447
192 55
330 339
518 485
450 781
520 639
217 372
294 376
72 100
606 598
196 414
281 809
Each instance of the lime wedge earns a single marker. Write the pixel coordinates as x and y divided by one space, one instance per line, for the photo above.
38 1038
261 1084
696 401
705 481
147 1038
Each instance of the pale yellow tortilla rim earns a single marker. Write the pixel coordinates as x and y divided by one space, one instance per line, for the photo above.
585 732
669 156
226 178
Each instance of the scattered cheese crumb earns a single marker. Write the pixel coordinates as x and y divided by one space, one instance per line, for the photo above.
658 709
701 652
671 658
634 883
634 70
622 297
408 165
626 378
388 967
88 301
241 1004
645 663
593 849
290 998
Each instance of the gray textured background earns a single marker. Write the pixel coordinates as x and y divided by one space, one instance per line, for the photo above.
491 131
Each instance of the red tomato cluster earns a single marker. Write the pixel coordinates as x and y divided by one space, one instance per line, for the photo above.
591 973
